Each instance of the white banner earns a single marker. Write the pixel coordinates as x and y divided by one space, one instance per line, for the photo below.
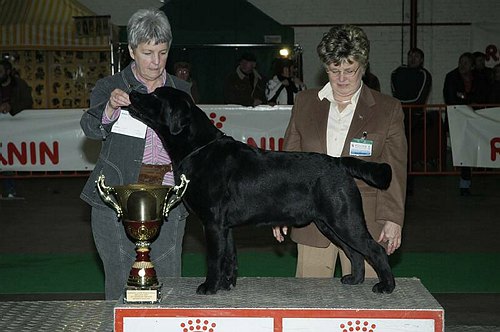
208 324
475 136
266 324
357 324
52 140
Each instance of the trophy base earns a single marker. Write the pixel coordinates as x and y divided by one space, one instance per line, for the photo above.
142 295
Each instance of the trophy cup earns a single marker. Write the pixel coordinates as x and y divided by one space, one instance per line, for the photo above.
142 208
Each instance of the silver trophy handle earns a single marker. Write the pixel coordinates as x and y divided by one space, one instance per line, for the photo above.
107 195
179 191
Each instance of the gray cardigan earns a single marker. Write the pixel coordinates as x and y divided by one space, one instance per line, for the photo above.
120 158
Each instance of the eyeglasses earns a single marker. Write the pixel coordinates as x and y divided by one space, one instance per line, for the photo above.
347 72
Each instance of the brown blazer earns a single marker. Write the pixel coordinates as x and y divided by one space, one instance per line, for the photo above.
381 117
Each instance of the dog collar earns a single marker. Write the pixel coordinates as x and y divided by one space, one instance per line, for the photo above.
199 149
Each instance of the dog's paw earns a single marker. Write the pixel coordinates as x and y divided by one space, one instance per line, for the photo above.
350 279
228 283
205 289
382 287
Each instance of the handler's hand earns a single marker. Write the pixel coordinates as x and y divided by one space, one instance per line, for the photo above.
118 98
391 233
278 233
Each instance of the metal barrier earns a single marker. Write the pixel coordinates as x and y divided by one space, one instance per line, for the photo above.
429 152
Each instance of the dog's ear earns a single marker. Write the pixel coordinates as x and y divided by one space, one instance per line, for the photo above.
180 114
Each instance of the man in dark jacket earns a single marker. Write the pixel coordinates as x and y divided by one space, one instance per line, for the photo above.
460 88
411 84
245 86
15 94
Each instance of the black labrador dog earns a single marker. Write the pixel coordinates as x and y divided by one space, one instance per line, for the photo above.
232 183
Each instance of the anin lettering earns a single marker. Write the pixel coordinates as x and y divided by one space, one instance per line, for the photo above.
492 53
495 148
29 153
273 145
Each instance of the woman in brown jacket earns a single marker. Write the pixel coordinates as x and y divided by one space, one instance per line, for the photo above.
330 120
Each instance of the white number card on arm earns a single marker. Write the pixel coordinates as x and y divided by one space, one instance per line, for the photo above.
127 125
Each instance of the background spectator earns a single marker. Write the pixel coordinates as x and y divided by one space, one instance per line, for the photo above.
460 89
15 96
371 80
411 84
183 71
483 78
494 97
282 88
245 86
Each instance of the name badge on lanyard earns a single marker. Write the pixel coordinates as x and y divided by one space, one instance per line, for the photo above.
361 147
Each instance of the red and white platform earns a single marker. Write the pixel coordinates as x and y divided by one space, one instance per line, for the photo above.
285 305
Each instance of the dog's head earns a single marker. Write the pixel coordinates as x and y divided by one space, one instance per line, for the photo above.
165 110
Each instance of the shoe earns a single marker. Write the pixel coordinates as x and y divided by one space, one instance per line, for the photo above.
11 196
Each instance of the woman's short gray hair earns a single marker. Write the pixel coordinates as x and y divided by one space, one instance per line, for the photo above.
149 26
343 43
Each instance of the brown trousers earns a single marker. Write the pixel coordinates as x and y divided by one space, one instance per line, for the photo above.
315 262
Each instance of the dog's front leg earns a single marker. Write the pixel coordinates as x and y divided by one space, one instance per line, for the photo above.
230 262
216 238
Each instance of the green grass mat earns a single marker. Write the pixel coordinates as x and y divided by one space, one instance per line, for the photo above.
82 273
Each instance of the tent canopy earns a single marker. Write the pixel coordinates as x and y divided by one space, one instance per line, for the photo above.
50 25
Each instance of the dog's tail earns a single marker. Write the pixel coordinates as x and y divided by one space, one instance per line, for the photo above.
378 175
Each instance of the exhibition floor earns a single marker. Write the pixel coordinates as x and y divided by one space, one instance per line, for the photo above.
441 229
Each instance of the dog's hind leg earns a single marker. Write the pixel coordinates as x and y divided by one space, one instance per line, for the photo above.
365 247
377 257
360 245
357 275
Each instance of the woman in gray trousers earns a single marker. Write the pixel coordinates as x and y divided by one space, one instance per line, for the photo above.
124 154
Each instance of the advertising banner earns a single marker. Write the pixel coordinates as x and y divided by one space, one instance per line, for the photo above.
52 140
475 136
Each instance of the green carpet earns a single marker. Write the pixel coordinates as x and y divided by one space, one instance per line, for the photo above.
82 273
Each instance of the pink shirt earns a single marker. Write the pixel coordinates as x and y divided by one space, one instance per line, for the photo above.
154 152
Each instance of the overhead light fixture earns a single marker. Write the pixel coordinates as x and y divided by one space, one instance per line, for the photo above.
284 52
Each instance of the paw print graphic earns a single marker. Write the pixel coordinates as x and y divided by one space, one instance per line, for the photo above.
357 325
198 325
218 123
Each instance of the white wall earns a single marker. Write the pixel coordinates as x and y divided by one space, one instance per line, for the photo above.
442 44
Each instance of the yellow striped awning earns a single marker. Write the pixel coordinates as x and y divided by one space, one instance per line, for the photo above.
47 24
